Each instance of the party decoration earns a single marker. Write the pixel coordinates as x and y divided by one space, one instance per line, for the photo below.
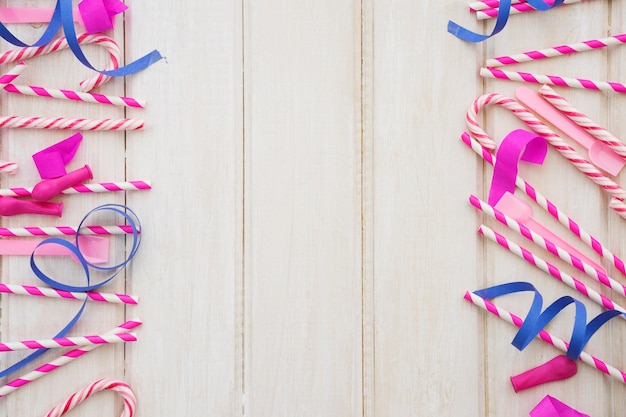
51 161
101 187
551 407
33 290
130 402
47 189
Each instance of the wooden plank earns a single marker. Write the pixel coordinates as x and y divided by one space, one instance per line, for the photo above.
426 254
302 208
188 271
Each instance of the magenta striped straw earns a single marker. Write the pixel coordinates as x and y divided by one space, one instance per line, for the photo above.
36 291
31 231
550 269
74 341
67 357
549 207
545 336
530 77
556 51
101 187
30 90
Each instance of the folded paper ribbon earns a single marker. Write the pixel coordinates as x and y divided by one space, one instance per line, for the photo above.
517 145
551 407
51 161
502 18
98 15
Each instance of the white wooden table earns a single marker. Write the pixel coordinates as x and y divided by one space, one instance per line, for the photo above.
308 239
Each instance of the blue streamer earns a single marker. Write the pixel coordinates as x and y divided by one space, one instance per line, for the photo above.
62 17
536 320
501 20
133 222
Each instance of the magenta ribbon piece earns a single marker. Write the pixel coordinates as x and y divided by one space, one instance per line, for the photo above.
98 15
51 161
517 145
551 407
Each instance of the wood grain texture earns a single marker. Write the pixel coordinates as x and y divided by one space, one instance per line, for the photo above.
308 239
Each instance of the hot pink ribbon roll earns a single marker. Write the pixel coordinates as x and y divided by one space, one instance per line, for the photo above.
551 407
51 161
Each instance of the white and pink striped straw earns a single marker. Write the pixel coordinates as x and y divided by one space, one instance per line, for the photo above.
530 77
550 207
545 336
62 123
61 43
67 357
599 276
122 388
98 187
516 8
73 341
31 231
36 291
30 90
8 167
491 4
556 51
550 269
582 120
567 151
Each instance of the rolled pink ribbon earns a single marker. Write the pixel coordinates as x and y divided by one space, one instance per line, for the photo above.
551 407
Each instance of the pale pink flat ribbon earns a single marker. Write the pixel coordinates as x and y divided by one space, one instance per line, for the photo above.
551 407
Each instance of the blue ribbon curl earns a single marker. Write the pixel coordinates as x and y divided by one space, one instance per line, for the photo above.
536 320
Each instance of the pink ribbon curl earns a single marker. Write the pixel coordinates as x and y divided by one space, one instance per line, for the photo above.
98 15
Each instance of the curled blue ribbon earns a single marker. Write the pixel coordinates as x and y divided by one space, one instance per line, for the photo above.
63 17
134 224
503 16
536 320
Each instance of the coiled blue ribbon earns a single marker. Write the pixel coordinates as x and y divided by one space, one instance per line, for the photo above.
502 18
134 224
536 320
62 17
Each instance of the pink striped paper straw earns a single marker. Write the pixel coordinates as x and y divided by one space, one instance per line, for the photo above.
550 269
530 77
36 122
100 187
599 276
60 361
35 291
556 51
8 167
74 341
30 90
541 129
489 4
516 8
545 336
65 230
126 392
61 43
550 207
582 120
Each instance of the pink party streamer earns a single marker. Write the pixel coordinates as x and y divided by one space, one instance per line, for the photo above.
67 357
35 291
75 341
122 388
545 336
102 187
115 55
550 207
51 161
